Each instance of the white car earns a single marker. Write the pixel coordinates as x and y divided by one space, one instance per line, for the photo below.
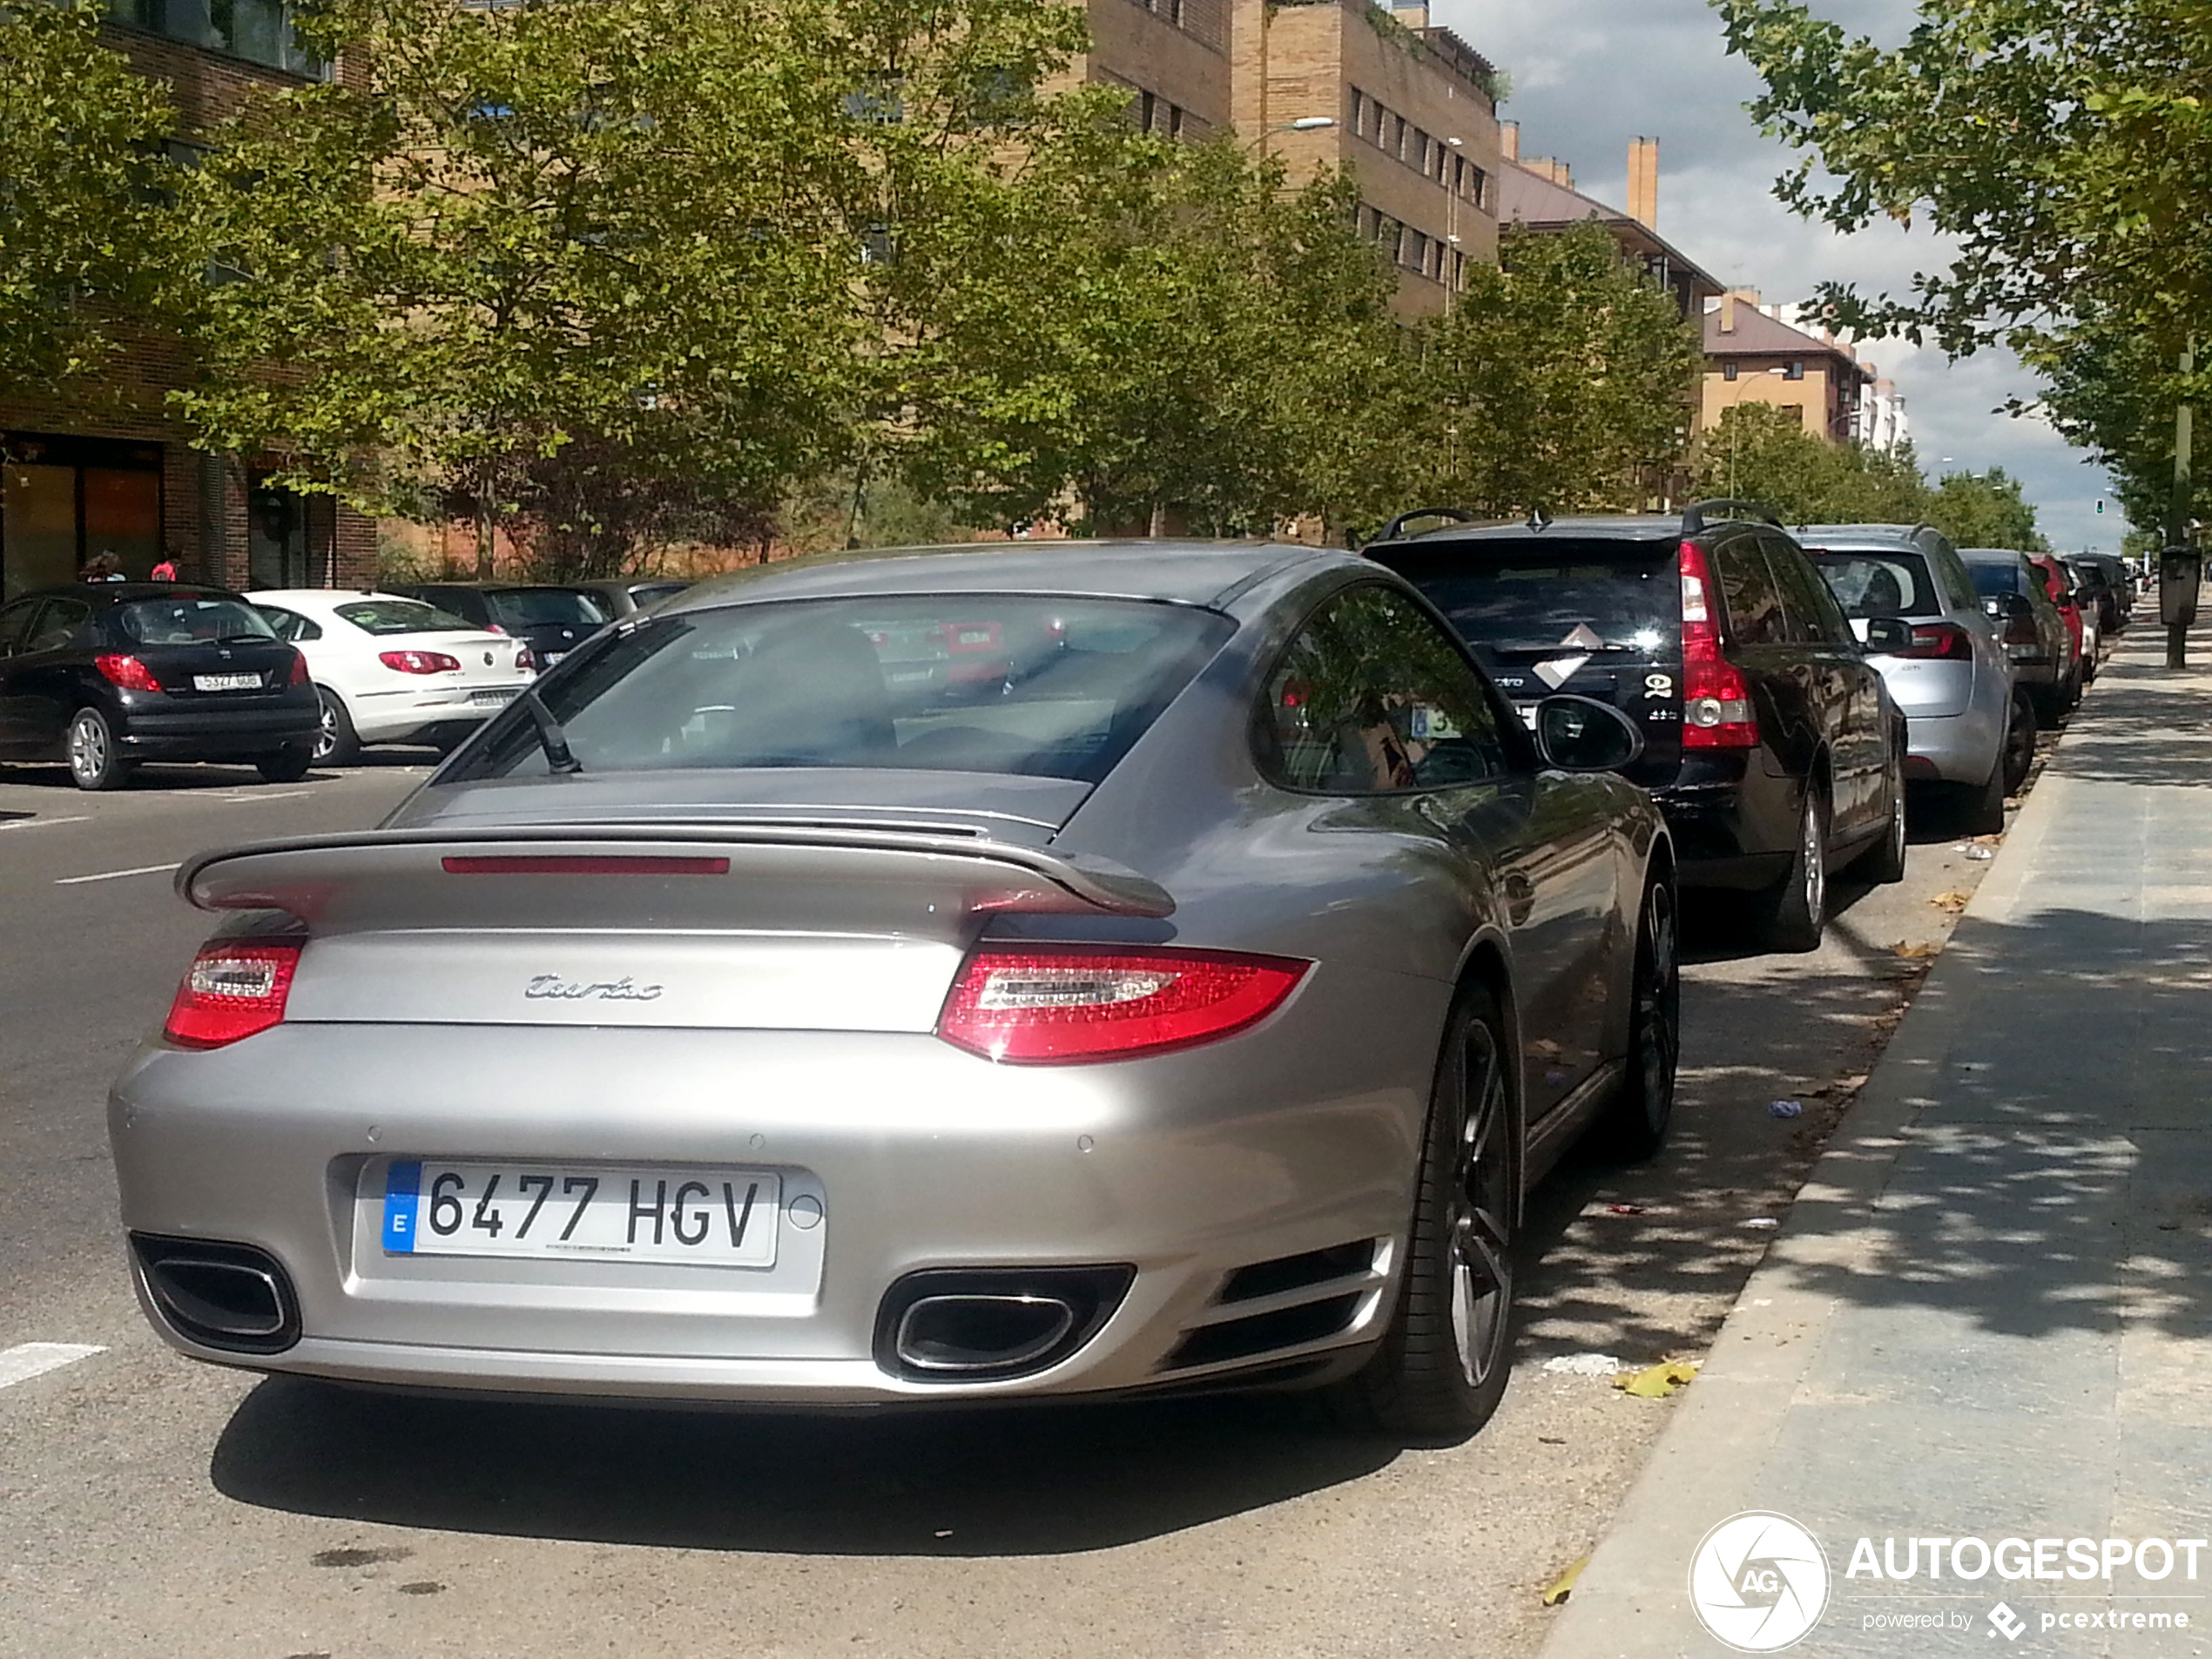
390 669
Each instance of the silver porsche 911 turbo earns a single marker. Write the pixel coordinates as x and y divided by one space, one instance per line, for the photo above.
1033 969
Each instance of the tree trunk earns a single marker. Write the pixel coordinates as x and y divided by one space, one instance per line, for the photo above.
487 533
1159 525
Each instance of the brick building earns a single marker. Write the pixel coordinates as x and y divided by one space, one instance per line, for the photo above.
125 480
1406 108
1537 198
1753 356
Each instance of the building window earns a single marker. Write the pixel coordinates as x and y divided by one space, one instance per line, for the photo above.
1795 372
257 30
1728 371
63 500
1147 108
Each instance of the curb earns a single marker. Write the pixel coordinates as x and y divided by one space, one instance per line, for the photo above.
1631 1601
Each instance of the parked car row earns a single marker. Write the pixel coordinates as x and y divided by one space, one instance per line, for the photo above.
105 676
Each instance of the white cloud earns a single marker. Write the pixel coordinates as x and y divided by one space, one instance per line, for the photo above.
1589 75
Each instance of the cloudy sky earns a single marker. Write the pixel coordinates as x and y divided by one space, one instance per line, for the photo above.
1589 75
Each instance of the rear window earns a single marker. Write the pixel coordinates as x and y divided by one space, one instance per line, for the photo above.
984 682
191 621
401 617
1877 584
1998 578
1522 598
647 593
535 607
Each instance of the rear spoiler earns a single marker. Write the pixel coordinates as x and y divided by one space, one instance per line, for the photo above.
397 871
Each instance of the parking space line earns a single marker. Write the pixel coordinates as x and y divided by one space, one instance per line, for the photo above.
29 1359
41 823
113 875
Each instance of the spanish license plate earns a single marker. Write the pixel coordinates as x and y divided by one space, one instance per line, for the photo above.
553 656
717 1218
226 682
500 694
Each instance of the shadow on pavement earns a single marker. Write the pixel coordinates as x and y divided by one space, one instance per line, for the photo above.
1039 1480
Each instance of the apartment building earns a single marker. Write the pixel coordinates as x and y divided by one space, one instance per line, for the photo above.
1406 108
1538 197
1753 356
125 480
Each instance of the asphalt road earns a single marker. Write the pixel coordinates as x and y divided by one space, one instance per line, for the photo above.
152 1506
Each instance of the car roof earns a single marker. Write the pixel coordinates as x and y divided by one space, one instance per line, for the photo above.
115 592
326 597
1629 528
1990 554
1859 538
1185 572
496 586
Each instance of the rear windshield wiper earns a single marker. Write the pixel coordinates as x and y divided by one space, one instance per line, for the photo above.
550 738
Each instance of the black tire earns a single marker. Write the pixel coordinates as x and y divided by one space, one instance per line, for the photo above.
1794 914
2019 747
2050 709
1884 862
1441 1368
1637 1119
1982 811
2070 693
287 766
95 760
336 742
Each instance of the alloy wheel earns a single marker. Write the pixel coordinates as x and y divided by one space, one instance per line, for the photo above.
1815 856
1479 1227
87 747
1658 1010
327 731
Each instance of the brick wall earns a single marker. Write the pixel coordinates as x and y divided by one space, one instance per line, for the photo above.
1145 48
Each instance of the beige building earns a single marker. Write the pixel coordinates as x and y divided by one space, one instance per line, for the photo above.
1752 357
1537 197
1406 108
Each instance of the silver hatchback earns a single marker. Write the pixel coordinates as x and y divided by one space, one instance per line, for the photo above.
1190 1000
1969 725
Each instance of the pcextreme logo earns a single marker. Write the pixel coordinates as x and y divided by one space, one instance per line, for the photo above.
1758 1583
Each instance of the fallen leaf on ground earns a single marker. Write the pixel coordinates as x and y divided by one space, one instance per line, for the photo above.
1953 901
1625 1209
1562 1587
1657 1382
1989 840
1916 953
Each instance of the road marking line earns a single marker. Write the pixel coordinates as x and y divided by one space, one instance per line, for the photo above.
244 801
29 1359
41 823
113 875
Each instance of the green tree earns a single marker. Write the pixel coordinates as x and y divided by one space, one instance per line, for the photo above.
2063 146
615 225
1757 453
1562 379
1986 510
1184 340
83 240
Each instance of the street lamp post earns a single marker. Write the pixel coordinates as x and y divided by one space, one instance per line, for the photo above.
2179 567
1303 124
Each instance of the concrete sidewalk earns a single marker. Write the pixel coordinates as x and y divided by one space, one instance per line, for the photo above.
1989 1313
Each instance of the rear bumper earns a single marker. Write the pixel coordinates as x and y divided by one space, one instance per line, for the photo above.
395 716
198 734
1734 824
1186 1167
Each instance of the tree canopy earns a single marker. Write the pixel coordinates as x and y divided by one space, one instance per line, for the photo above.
82 227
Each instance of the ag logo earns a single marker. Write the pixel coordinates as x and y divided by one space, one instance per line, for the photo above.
1758 1583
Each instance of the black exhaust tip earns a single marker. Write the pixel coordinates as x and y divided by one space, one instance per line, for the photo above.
985 1325
231 1297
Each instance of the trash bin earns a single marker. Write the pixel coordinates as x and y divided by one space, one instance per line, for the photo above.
2181 572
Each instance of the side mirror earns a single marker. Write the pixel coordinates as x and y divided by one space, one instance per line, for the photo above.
1888 635
1580 734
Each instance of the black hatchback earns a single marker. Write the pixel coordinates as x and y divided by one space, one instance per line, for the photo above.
107 674
551 619
1770 741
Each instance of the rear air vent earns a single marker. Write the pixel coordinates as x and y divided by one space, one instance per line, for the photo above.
1297 1272
1260 1333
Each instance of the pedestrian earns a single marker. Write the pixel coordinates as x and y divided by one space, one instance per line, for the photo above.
103 566
165 572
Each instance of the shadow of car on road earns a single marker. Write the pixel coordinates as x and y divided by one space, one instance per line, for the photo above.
1016 1481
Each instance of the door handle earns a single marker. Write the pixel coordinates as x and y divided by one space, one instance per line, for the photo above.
1520 897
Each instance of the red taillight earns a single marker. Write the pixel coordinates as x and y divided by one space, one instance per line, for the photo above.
1048 1005
298 668
126 671
1940 640
419 662
234 987
525 660
1715 698
564 864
